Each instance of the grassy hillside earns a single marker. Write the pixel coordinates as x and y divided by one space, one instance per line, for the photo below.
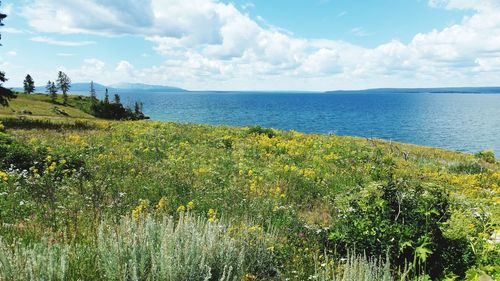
98 199
39 105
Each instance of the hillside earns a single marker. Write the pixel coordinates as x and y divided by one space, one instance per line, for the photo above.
105 196
39 105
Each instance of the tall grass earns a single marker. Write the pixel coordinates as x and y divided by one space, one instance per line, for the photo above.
189 248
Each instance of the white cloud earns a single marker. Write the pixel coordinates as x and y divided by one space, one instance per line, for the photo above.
52 41
207 42
125 67
11 53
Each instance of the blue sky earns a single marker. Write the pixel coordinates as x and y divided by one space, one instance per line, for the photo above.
255 45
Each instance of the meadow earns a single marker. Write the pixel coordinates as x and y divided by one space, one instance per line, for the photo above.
88 199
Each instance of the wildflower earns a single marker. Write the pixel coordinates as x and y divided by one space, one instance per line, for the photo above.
62 162
250 276
52 166
140 209
162 204
4 176
211 215
181 209
250 173
190 205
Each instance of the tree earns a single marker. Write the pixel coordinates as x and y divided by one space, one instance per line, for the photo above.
93 95
52 91
138 108
106 97
117 99
2 17
29 84
5 94
64 83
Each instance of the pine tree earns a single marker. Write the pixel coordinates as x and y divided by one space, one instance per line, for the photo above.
52 91
117 99
106 97
137 108
93 95
64 83
29 85
5 94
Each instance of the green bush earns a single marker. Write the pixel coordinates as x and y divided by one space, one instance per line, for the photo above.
486 155
402 219
261 131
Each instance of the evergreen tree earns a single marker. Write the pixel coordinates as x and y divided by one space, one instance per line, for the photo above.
64 83
93 95
29 85
106 97
138 108
5 94
2 17
117 99
52 91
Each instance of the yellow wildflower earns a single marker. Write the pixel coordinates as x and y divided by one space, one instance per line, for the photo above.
190 205
211 215
250 276
4 176
52 166
181 209
162 204
140 209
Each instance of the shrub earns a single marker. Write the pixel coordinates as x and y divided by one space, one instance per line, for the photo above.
189 248
261 131
403 219
486 155
470 168
355 268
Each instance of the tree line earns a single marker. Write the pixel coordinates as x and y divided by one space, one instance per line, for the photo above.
113 109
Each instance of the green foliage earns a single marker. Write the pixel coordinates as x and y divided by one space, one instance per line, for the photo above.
317 195
189 248
115 110
261 131
404 218
470 168
486 155
64 84
29 84
52 91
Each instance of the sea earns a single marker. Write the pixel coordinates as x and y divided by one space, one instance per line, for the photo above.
456 121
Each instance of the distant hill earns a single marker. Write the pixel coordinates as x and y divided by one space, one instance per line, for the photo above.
121 87
144 87
458 90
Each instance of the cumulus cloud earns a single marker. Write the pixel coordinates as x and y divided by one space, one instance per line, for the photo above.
208 40
125 67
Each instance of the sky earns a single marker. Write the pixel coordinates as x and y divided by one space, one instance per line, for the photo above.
311 45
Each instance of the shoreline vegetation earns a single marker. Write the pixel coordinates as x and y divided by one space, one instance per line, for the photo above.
83 198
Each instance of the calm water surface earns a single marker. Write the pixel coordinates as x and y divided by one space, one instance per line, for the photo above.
464 122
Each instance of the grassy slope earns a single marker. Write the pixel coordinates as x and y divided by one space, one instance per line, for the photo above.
293 181
41 106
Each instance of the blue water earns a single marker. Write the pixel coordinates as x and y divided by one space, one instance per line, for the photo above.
463 122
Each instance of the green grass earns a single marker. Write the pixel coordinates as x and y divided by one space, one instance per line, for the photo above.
41 106
294 200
